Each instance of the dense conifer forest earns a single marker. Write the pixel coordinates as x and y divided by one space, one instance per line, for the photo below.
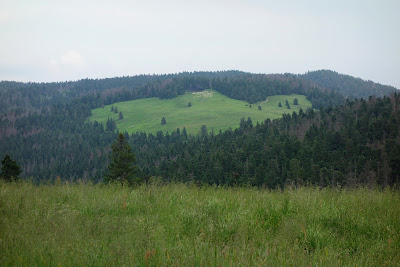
346 85
341 141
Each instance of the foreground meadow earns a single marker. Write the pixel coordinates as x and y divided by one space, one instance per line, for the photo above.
175 224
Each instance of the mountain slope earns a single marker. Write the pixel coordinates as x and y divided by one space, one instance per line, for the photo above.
348 86
208 107
44 129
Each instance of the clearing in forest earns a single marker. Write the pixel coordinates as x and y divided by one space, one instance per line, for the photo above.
208 107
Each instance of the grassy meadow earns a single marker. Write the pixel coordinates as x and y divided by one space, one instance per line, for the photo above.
184 225
209 108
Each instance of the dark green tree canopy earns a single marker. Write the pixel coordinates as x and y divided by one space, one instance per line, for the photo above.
10 170
121 168
163 121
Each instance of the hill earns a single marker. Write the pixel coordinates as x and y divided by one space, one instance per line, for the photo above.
208 107
44 127
348 86
357 143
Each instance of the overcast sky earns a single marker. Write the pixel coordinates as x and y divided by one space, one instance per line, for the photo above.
69 40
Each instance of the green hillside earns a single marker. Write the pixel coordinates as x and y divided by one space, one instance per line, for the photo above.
209 108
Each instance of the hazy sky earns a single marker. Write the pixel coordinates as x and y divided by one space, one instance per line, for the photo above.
69 40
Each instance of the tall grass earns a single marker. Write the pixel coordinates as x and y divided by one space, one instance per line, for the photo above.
175 224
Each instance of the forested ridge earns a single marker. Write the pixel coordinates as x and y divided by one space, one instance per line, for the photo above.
348 86
357 143
43 127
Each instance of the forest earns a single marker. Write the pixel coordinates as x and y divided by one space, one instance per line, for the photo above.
349 137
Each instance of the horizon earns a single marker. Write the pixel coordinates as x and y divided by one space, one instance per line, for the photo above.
177 73
48 42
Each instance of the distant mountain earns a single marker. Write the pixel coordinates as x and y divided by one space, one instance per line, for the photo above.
348 86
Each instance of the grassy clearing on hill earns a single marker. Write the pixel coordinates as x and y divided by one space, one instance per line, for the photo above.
175 224
209 108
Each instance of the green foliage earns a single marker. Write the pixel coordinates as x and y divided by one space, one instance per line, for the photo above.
259 107
163 121
120 116
121 168
178 225
10 170
189 104
295 101
280 104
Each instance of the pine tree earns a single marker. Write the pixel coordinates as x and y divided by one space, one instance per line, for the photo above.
190 104
121 168
259 108
280 104
120 115
10 170
295 101
163 121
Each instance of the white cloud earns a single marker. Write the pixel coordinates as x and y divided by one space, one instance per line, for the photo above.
5 15
72 58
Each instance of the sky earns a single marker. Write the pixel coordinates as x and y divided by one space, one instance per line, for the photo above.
52 40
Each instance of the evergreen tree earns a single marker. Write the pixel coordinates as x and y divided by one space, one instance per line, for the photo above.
280 104
163 121
115 110
288 106
259 108
121 168
190 104
10 170
112 108
295 102
121 116
184 133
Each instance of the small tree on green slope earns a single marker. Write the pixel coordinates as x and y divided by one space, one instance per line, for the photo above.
259 108
295 102
121 168
121 116
10 170
190 104
280 104
163 121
